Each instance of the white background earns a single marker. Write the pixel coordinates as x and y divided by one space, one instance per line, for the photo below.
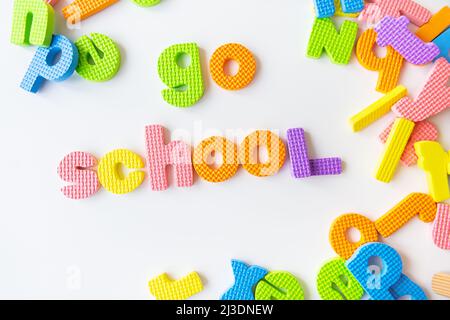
109 246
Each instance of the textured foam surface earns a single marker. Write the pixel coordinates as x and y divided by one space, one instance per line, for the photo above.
164 288
395 146
185 82
407 288
279 285
394 32
238 53
434 97
40 69
298 152
40 31
79 10
433 159
375 10
414 204
276 151
338 233
326 166
438 23
324 8
352 6
161 155
377 280
204 167
389 66
245 278
377 109
79 168
340 12
443 43
146 3
110 175
441 227
330 284
441 284
423 131
338 45
95 66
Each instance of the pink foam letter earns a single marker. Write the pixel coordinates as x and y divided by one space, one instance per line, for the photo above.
434 97
159 156
77 168
441 228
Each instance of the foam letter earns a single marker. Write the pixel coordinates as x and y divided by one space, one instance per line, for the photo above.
434 97
395 146
436 163
160 155
423 131
443 43
44 67
335 282
245 278
164 288
338 45
437 24
146 3
378 9
99 57
441 228
245 59
110 175
414 204
77 168
279 285
275 149
377 284
229 165
405 287
394 32
33 23
83 9
338 233
185 82
377 109
389 67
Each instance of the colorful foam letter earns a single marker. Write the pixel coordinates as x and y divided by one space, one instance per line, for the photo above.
33 23
407 288
160 155
436 163
249 157
82 9
395 146
389 66
324 8
437 24
423 131
301 165
394 32
327 8
164 288
279 285
441 284
77 168
434 97
377 109
246 277
335 282
338 45
44 67
443 43
376 283
245 59
340 12
376 10
185 82
414 204
146 3
352 6
338 233
99 57
111 176
441 228
229 165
